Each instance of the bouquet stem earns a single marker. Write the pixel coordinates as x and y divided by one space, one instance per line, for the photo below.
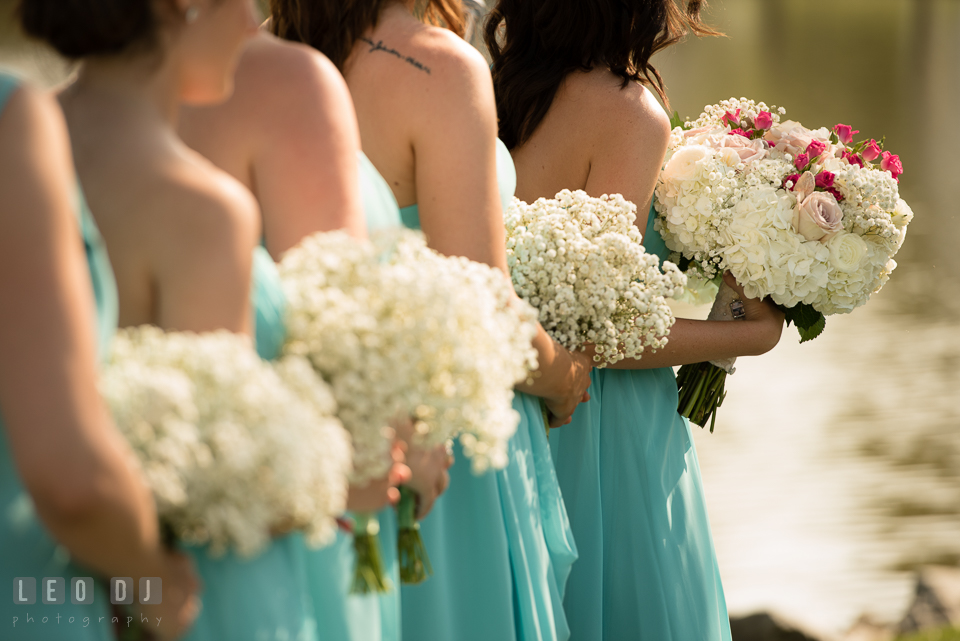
368 575
414 562
702 385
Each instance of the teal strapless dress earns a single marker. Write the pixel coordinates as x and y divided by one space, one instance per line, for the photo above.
630 476
265 598
26 548
342 616
500 543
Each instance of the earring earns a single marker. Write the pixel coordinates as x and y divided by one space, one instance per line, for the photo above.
192 13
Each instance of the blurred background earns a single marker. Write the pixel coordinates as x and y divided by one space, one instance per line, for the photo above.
834 471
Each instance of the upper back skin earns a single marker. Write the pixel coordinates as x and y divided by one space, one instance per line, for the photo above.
599 136
175 225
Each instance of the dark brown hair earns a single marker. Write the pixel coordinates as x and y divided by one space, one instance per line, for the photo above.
80 28
544 40
333 26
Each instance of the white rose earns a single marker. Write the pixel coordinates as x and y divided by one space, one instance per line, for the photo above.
902 215
846 251
683 165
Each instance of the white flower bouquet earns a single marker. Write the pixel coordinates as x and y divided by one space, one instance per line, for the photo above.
234 448
400 331
807 217
580 262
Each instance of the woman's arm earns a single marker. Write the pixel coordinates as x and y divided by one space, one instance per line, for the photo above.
77 469
459 203
634 144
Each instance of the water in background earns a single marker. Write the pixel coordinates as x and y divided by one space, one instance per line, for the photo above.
835 467
834 470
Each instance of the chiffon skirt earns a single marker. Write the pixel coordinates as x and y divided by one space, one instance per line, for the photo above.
501 549
630 476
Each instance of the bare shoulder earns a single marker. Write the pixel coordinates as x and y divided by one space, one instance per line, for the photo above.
198 206
277 76
629 111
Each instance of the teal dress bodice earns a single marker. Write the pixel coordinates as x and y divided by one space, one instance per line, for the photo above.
500 543
26 548
267 596
343 616
631 479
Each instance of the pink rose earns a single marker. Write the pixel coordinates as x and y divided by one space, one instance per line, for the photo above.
740 132
836 193
818 217
748 150
825 179
732 119
792 178
845 133
764 120
789 137
853 159
815 148
891 163
802 161
872 151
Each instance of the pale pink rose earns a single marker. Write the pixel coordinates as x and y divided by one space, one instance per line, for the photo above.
748 150
793 138
818 217
804 186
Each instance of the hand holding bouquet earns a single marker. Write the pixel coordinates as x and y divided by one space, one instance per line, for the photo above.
580 262
807 217
399 330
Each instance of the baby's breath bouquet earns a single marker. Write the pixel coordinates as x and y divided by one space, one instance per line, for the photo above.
579 260
400 331
234 448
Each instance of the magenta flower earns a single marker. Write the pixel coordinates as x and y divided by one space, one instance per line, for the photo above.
872 151
801 161
764 120
733 119
891 163
825 179
740 132
845 133
815 148
836 193
853 159
793 178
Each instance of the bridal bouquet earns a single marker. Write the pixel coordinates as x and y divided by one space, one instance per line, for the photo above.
579 260
807 217
400 331
235 449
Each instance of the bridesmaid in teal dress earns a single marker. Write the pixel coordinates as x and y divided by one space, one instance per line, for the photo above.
27 547
515 515
627 465
182 236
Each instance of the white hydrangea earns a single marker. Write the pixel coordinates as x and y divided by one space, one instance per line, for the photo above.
234 448
400 330
580 261
724 202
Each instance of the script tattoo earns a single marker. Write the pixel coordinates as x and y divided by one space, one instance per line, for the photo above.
378 46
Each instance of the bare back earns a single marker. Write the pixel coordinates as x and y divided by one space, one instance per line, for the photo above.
598 136
180 233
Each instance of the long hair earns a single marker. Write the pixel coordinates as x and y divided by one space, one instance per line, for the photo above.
334 26
544 40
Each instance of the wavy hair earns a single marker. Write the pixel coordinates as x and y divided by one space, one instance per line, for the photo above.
544 40
334 26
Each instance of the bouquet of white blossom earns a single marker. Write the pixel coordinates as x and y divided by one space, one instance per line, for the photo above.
579 260
234 448
807 217
400 331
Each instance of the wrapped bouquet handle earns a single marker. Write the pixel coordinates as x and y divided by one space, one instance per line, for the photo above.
701 386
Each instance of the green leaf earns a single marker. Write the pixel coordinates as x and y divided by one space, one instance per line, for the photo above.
810 323
834 138
677 121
